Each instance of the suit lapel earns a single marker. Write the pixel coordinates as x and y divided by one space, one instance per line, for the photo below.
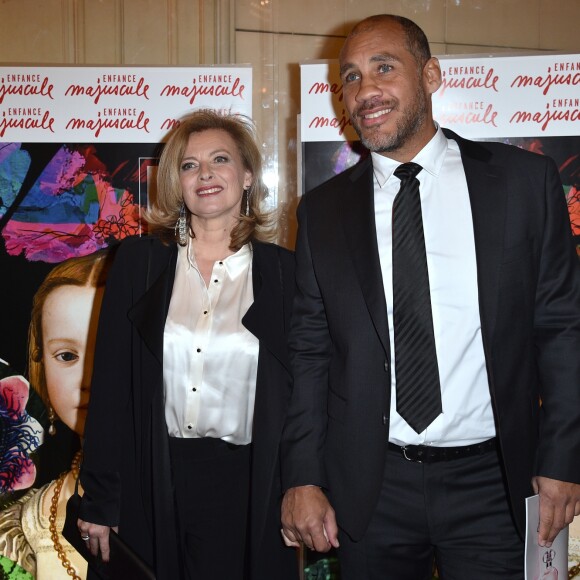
488 197
150 312
488 204
358 219
265 317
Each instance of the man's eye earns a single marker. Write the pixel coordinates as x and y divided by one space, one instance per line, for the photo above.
348 78
385 68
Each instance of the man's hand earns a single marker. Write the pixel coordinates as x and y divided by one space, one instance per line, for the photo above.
308 517
559 503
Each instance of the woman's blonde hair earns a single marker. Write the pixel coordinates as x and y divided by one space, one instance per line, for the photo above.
87 271
253 222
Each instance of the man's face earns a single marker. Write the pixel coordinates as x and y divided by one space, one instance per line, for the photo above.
386 93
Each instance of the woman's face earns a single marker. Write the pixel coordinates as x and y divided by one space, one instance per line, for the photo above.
68 345
213 176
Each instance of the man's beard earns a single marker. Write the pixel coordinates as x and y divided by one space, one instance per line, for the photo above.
407 126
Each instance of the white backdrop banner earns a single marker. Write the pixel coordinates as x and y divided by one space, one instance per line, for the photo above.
113 104
480 97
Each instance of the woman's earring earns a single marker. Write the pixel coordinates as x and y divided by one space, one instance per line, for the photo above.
51 420
181 227
247 193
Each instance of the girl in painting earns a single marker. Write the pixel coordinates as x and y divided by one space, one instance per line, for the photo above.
60 359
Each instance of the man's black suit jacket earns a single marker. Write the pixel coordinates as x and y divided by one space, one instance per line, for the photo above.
529 299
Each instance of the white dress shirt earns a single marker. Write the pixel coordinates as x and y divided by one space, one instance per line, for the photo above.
210 359
467 415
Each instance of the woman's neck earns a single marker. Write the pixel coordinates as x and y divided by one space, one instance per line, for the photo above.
212 236
209 247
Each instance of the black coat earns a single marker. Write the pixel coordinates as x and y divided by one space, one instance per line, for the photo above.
528 279
126 472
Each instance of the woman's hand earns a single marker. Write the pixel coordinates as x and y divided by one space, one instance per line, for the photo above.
96 538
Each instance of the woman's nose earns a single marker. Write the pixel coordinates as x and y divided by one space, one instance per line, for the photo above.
205 172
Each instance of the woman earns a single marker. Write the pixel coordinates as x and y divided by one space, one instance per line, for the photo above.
61 342
191 380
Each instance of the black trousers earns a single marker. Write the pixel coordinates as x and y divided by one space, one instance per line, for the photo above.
454 512
212 483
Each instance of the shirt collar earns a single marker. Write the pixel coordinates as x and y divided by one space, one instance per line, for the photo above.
430 158
235 264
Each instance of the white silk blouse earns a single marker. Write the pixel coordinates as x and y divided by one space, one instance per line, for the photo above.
210 359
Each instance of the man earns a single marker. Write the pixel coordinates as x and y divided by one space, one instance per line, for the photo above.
503 285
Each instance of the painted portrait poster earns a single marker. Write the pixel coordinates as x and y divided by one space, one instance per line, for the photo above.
58 201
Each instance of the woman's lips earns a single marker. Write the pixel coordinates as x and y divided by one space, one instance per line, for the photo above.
202 191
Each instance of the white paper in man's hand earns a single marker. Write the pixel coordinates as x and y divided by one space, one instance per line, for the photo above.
544 563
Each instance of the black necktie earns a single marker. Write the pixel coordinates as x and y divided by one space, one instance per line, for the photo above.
417 373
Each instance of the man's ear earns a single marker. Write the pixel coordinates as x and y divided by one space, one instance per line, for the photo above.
432 75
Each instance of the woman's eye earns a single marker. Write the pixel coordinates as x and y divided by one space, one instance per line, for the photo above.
188 165
66 356
221 159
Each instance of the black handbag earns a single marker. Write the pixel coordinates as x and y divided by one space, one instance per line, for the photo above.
123 563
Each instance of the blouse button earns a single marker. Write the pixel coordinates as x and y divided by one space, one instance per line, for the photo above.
194 389
216 281
198 349
190 427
